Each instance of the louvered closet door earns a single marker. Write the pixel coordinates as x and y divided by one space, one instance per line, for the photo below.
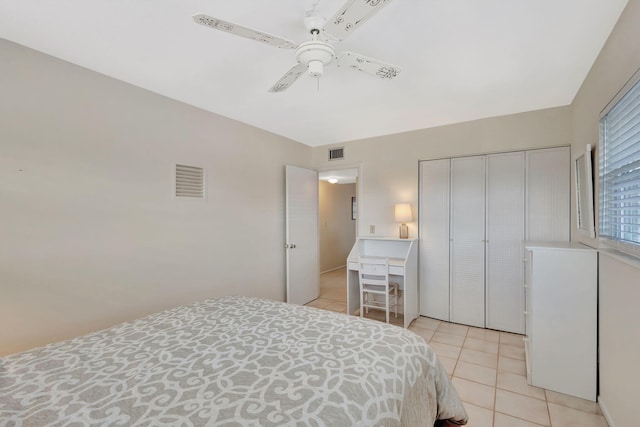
467 244
434 238
505 233
548 194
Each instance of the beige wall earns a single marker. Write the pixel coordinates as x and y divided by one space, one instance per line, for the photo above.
89 233
389 164
337 229
619 282
619 340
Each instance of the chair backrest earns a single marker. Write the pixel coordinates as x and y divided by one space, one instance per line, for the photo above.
374 271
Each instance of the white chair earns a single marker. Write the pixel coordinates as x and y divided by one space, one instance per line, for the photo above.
374 280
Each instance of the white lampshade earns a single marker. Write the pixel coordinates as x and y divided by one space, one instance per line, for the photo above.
403 212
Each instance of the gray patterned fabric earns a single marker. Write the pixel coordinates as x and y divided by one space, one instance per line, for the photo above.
232 361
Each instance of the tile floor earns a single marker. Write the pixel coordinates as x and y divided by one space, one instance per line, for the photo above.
487 369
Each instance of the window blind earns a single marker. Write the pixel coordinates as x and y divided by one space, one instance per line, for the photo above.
620 172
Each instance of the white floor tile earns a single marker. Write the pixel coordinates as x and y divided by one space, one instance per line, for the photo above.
518 384
453 328
569 417
479 358
515 366
511 339
573 402
483 334
447 338
481 345
427 323
478 416
475 393
503 420
479 374
511 351
524 407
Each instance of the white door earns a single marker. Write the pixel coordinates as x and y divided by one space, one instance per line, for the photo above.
467 240
434 238
548 194
505 233
301 246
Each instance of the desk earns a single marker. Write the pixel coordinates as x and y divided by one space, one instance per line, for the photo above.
403 269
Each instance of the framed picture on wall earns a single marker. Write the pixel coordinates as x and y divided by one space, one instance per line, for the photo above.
354 208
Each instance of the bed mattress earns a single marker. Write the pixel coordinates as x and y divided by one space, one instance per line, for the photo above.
232 361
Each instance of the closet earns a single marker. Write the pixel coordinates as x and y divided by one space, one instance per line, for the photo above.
474 214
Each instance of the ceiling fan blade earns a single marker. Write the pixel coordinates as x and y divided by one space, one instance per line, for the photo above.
289 78
241 31
351 16
368 65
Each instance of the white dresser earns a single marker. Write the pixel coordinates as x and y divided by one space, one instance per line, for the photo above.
561 317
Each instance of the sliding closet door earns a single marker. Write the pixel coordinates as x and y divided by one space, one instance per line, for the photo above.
467 240
434 238
548 194
505 233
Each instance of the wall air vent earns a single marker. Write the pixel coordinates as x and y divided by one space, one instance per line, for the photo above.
336 153
189 182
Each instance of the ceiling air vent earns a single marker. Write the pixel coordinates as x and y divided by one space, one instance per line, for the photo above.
189 181
336 153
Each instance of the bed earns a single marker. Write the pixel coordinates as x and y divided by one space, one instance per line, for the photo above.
232 361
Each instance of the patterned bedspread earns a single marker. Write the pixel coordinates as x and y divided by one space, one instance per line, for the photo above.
232 361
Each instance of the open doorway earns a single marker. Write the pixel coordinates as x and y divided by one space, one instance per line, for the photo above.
338 225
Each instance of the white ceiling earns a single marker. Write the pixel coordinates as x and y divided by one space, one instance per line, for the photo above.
461 59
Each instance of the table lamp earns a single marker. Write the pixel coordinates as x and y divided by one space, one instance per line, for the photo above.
403 214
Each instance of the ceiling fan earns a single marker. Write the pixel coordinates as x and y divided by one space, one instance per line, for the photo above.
313 55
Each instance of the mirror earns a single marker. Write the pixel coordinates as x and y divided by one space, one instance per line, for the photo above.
584 193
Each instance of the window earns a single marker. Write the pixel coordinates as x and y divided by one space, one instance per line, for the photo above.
620 170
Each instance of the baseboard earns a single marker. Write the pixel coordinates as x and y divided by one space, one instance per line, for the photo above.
605 412
333 269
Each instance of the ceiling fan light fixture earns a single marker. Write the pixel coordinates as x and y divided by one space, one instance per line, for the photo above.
315 55
315 68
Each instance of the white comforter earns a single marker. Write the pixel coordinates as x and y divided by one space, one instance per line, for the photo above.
231 361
